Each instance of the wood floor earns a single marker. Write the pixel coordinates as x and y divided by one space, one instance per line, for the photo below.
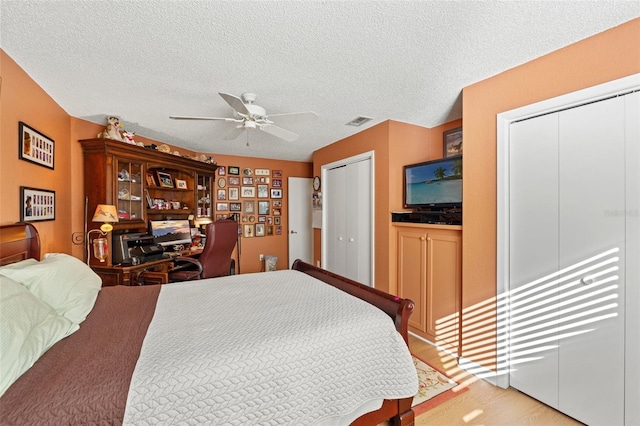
482 403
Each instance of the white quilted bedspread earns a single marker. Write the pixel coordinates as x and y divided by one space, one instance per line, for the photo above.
265 349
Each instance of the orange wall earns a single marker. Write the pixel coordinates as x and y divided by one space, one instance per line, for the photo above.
417 144
372 139
607 56
23 100
275 245
603 57
394 144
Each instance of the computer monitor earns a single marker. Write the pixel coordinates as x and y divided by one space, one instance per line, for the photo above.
170 232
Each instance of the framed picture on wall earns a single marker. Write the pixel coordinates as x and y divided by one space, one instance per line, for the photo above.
249 207
263 191
234 193
35 146
276 193
263 207
248 191
452 142
37 204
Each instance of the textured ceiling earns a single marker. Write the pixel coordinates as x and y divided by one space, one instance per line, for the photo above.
403 60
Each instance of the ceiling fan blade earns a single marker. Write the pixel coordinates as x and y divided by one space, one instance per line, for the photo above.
234 133
295 117
236 103
180 117
279 132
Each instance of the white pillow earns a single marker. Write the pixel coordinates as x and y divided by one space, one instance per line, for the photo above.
18 265
28 327
62 281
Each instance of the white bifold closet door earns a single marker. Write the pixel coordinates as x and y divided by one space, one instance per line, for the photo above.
347 200
567 260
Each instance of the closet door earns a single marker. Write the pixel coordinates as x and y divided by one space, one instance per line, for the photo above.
567 260
632 273
348 203
533 258
336 224
592 244
358 218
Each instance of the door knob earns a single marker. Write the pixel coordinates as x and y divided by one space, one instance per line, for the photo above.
293 232
351 240
339 238
587 280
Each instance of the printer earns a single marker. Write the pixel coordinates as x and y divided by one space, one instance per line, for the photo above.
135 248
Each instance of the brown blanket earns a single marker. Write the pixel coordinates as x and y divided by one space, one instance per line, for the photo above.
84 378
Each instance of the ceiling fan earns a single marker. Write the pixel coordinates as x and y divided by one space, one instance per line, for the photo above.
248 115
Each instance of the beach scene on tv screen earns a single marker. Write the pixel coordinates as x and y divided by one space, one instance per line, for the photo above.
171 231
435 183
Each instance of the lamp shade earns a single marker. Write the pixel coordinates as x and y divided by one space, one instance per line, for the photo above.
106 213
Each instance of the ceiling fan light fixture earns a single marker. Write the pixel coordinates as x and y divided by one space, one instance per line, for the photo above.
359 121
248 115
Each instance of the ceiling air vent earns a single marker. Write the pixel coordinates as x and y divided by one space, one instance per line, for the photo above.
359 121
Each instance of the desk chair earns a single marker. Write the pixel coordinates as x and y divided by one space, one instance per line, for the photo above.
215 260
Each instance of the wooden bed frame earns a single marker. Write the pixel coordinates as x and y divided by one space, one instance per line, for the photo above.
21 241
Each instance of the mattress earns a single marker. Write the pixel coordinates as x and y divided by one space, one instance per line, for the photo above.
262 349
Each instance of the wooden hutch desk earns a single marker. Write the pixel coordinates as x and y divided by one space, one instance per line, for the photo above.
152 272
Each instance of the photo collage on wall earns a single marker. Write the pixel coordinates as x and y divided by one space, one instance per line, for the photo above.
254 196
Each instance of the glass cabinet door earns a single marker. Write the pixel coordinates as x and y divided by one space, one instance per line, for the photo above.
204 208
130 195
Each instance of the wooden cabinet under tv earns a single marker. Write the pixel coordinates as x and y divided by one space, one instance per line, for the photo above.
145 184
429 273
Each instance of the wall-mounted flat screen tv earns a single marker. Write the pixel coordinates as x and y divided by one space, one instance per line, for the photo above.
434 184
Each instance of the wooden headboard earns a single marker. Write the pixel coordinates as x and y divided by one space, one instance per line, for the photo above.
18 242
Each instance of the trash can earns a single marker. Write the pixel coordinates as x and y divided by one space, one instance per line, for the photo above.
270 263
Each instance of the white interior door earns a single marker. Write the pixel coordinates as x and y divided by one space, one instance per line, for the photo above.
348 218
533 257
632 291
299 216
358 218
335 227
592 186
567 259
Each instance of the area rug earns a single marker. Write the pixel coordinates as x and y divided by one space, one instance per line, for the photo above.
434 387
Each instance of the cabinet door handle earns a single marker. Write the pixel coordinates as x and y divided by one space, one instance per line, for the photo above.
351 240
339 238
422 238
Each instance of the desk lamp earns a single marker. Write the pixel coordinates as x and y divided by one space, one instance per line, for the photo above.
105 213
